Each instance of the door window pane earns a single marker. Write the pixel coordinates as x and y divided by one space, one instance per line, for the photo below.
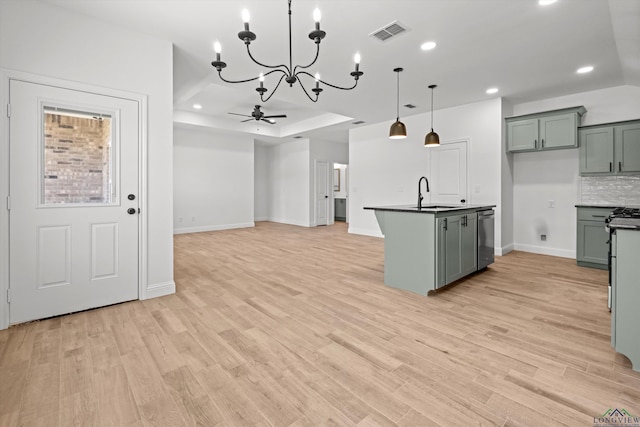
77 157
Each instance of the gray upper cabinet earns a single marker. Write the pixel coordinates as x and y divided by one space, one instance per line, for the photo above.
610 149
550 130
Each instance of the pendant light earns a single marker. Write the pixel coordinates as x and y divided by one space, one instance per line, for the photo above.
398 130
432 139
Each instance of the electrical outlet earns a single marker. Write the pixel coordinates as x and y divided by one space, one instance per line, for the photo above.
543 237
552 203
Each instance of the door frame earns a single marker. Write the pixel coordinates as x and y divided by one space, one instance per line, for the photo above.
5 78
329 187
467 144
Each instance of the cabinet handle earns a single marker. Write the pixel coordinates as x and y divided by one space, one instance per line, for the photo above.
542 142
445 223
619 166
599 216
610 167
535 143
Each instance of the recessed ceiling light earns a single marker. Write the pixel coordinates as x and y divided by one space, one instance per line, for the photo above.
492 90
584 70
197 106
546 2
428 45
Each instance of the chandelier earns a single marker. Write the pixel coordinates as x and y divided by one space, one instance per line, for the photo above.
288 73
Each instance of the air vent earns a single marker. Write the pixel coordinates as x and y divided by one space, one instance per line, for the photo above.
389 31
298 137
358 122
409 106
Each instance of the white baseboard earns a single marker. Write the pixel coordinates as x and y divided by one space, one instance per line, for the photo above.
365 232
563 253
187 230
290 222
160 290
504 250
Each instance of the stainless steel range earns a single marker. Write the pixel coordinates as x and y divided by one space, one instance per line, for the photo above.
617 214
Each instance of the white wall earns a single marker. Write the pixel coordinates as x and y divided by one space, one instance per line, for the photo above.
553 175
46 40
261 184
213 180
386 172
289 181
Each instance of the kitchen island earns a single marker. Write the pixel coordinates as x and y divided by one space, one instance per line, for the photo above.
625 288
432 246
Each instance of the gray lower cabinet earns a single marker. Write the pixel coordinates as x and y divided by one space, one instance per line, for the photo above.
625 295
592 239
550 130
457 247
610 149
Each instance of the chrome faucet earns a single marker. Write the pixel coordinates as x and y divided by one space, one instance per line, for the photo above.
420 192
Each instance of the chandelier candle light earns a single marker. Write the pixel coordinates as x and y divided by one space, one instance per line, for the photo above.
289 73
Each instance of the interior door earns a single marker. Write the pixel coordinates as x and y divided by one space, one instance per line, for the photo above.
448 173
322 193
73 239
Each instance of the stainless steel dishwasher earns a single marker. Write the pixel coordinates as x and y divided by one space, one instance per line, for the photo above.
486 226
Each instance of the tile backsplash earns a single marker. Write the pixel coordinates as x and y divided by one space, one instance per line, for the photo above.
621 190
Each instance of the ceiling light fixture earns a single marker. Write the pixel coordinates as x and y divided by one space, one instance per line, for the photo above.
289 73
546 2
398 130
432 139
584 70
492 90
197 106
428 45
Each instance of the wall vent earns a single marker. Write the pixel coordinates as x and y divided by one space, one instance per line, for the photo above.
389 31
358 122
298 137
409 106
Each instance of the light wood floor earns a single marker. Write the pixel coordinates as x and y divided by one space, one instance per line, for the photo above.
283 325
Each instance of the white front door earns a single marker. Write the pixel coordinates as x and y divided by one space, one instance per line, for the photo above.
448 183
73 239
322 193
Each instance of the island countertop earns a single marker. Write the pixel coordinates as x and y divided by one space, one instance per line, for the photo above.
430 208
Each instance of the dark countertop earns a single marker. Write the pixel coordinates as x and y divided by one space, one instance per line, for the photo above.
599 206
625 223
430 208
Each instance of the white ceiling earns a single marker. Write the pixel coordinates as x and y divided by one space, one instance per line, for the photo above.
528 51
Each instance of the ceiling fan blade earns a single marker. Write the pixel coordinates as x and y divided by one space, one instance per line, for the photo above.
271 122
279 116
238 114
247 120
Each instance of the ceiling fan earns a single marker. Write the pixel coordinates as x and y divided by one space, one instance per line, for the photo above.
257 114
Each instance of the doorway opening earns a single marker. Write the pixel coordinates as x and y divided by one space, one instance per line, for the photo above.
341 192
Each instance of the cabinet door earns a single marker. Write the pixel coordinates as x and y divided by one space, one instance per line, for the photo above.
441 251
469 244
453 260
627 148
596 150
558 131
592 242
522 135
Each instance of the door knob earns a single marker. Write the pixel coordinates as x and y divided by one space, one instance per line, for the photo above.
131 197
463 201
131 211
326 197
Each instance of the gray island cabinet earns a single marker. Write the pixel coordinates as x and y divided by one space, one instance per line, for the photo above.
428 248
625 289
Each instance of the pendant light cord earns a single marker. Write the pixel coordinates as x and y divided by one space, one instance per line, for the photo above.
431 109
398 98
